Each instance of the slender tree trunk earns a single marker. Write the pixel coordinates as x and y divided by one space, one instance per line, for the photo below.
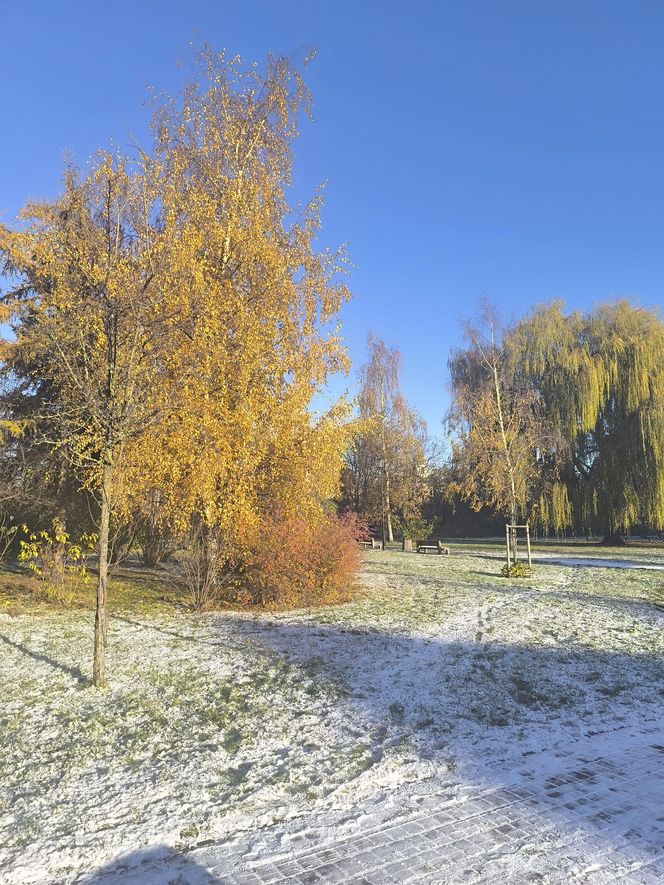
508 457
515 540
386 471
101 615
390 533
388 510
506 448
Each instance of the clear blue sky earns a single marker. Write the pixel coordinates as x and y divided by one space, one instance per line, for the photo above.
509 148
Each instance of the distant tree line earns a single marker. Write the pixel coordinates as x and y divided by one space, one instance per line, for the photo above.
559 419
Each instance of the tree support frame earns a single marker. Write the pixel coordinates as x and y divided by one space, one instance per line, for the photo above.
511 543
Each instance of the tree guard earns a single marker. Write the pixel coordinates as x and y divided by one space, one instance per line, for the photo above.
511 542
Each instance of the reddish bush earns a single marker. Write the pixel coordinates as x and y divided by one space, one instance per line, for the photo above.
294 563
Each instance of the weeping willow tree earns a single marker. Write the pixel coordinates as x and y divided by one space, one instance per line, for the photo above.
600 378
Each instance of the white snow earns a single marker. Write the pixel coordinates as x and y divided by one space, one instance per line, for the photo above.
217 727
599 562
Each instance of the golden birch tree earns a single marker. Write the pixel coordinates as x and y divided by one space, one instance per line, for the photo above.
259 306
385 468
184 317
91 316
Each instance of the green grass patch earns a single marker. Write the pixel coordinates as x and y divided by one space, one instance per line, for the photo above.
141 591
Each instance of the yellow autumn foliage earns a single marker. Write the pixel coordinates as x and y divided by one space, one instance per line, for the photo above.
179 316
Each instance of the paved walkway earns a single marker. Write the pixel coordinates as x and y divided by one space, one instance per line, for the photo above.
598 820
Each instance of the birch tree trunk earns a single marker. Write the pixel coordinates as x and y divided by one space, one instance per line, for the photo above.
388 511
386 470
508 458
101 614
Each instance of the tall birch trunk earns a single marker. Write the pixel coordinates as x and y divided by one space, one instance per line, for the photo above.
101 614
388 511
386 470
508 457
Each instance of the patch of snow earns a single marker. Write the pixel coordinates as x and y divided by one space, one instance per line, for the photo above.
597 562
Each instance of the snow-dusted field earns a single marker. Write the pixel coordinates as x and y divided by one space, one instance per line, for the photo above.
260 733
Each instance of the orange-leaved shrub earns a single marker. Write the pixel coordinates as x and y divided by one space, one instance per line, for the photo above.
293 562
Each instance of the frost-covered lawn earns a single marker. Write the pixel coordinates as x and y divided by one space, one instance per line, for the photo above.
219 725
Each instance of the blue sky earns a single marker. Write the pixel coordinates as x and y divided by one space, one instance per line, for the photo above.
511 149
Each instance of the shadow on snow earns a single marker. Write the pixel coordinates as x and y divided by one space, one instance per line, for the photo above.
159 865
479 711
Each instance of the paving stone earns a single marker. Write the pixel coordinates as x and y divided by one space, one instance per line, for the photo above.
605 826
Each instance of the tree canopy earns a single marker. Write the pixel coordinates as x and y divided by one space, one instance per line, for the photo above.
176 316
580 442
385 474
498 423
600 379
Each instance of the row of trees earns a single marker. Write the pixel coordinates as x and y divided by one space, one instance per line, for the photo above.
560 418
557 419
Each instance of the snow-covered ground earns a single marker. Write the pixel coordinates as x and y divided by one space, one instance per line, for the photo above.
644 561
229 728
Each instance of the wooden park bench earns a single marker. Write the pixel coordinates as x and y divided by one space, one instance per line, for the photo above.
436 548
373 544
